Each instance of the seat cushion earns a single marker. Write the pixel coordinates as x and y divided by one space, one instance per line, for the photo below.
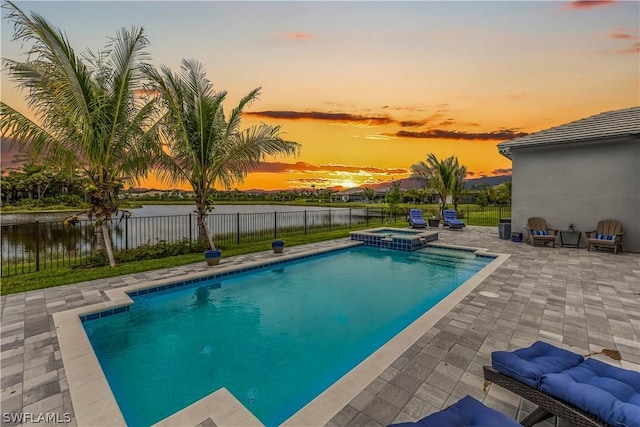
465 412
540 232
606 391
530 364
605 237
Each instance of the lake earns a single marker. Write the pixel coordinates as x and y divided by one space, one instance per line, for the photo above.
154 223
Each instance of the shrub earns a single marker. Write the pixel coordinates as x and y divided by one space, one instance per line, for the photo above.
148 251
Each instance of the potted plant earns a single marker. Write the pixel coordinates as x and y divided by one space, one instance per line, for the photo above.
277 246
212 256
434 221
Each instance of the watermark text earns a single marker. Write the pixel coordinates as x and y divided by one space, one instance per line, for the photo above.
36 417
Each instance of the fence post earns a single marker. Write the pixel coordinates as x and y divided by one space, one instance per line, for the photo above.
275 225
37 245
126 232
366 214
238 228
349 218
329 219
305 222
190 228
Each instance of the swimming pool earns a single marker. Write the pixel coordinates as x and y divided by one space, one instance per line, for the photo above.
274 337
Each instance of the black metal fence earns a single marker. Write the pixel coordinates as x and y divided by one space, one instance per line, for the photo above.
39 246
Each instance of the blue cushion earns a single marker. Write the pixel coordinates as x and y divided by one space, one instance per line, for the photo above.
540 232
606 391
530 364
465 412
605 237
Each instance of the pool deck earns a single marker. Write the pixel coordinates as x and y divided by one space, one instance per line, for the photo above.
580 300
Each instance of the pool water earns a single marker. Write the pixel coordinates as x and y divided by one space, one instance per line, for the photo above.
275 338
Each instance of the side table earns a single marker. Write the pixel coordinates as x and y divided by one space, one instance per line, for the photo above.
570 239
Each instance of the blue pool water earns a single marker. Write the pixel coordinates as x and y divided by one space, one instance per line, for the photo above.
275 338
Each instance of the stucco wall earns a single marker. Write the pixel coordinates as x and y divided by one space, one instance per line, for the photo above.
579 184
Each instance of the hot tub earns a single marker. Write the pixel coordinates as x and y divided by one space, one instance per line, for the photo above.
402 239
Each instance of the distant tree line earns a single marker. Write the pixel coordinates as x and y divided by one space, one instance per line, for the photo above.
41 186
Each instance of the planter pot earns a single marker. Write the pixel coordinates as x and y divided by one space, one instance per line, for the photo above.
212 256
434 222
277 246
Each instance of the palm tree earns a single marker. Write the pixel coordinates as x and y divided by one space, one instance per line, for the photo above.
369 193
457 185
414 193
439 174
203 147
87 116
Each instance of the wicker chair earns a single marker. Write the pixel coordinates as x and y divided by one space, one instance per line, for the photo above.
539 232
608 234
548 405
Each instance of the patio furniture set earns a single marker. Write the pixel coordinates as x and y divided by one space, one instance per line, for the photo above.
607 235
578 389
449 219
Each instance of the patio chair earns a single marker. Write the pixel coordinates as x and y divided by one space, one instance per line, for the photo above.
465 412
608 234
584 392
539 232
450 219
416 220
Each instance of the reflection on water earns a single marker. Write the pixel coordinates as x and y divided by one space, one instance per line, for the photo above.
151 224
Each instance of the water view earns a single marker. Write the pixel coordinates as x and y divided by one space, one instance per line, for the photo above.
154 223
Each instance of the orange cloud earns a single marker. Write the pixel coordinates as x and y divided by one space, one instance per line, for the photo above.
497 135
504 171
281 167
586 4
635 48
317 115
516 96
299 36
620 36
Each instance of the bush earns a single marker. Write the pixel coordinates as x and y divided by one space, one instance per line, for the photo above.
161 249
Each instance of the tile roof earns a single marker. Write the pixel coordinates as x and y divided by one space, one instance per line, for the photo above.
607 125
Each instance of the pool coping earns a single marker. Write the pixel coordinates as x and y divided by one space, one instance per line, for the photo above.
94 402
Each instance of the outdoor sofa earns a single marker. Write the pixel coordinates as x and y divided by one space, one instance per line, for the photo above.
583 391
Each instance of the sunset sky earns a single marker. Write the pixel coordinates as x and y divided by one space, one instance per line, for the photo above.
370 88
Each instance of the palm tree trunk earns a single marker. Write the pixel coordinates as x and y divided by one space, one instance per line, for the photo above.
203 231
107 243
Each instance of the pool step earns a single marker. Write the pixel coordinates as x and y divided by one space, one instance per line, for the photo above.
470 262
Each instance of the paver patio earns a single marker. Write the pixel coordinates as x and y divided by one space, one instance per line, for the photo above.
580 300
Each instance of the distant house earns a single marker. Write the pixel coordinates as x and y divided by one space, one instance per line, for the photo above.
580 173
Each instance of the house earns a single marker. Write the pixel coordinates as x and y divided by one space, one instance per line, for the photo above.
579 173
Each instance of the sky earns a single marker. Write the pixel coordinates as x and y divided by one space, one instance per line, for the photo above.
370 88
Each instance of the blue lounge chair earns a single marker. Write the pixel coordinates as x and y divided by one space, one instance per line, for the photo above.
585 392
450 219
465 412
416 220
